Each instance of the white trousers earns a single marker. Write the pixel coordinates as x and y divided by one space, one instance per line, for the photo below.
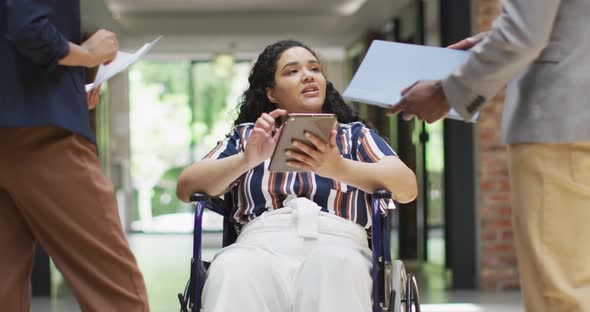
292 259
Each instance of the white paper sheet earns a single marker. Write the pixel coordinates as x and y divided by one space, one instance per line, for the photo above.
389 67
120 63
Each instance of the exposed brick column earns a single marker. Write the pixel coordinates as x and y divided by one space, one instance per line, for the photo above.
498 268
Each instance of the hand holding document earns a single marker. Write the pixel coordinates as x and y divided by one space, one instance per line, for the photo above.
120 63
390 67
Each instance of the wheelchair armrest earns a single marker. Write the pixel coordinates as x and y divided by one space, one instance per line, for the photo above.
214 203
382 193
213 200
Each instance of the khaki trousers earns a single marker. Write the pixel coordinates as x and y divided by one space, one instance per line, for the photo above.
551 211
52 191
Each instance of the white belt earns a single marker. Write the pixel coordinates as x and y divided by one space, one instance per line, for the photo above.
307 214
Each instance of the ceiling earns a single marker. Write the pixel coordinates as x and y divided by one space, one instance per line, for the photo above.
202 27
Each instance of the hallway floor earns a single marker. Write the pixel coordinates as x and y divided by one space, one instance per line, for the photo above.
164 259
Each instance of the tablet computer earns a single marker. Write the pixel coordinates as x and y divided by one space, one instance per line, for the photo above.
294 128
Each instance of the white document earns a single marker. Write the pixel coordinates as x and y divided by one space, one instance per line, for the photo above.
389 67
119 64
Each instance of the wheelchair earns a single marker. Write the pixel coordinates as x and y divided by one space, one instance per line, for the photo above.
394 290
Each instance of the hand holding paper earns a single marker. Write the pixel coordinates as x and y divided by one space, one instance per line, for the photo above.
389 67
425 100
93 98
469 42
102 47
120 63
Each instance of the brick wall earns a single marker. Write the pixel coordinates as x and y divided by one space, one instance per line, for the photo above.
498 269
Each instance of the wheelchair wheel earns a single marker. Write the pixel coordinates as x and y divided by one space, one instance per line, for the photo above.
412 299
398 285
405 289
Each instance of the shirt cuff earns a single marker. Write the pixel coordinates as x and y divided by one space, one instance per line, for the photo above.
462 100
62 49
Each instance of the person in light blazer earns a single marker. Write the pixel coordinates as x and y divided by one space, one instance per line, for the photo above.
52 190
541 49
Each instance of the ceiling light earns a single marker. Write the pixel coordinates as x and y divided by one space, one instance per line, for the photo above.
351 7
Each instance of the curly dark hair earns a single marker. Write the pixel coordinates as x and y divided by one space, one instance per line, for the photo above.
254 101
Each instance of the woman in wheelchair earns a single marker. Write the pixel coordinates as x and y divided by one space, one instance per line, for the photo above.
303 239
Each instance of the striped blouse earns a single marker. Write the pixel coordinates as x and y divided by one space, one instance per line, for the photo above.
260 190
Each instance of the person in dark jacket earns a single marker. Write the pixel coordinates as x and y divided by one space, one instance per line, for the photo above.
52 190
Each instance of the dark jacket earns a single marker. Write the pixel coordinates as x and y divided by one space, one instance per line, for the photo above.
34 89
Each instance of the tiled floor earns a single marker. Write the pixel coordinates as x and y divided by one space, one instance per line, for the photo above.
164 261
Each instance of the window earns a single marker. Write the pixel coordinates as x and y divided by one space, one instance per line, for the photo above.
178 111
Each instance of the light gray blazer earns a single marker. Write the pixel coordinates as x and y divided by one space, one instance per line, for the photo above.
543 48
